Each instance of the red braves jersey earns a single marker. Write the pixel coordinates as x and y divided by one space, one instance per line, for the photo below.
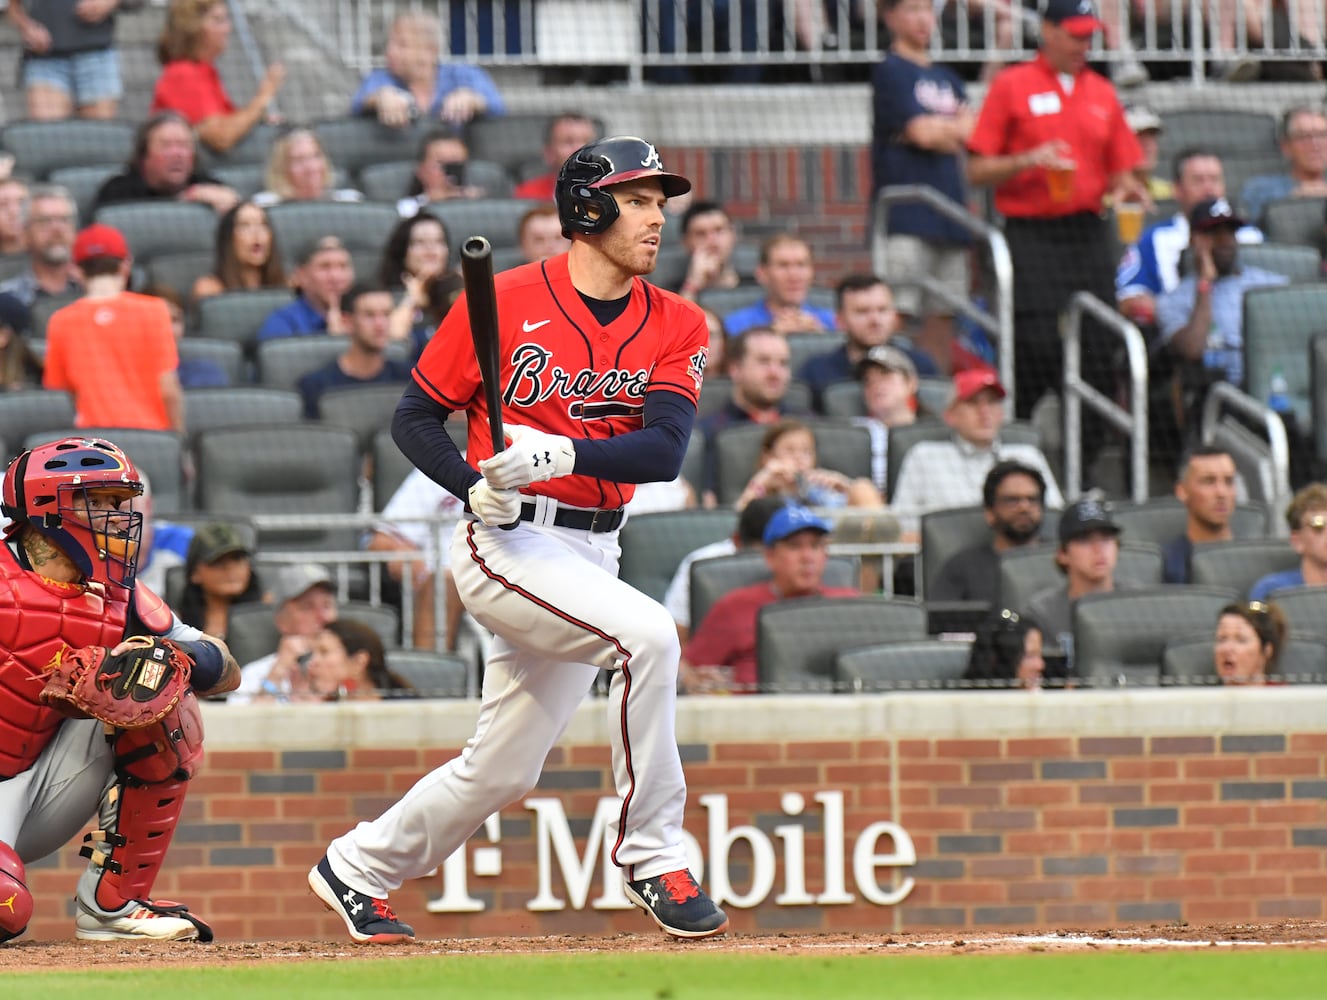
563 373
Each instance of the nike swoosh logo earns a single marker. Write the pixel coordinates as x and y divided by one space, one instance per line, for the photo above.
529 327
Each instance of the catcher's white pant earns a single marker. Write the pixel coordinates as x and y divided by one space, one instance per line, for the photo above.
42 808
560 615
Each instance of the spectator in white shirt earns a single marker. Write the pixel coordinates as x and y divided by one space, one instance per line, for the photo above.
940 474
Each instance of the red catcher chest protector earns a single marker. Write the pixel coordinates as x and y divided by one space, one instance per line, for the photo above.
39 617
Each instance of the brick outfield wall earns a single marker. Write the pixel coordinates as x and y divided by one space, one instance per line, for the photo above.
1017 832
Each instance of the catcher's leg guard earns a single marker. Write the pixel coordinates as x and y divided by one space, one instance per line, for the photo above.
15 900
138 818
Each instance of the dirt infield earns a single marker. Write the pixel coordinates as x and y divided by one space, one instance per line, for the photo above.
48 956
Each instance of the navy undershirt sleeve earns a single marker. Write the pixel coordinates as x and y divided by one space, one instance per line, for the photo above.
652 454
417 429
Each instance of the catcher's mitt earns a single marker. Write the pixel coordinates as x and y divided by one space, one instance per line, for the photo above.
130 690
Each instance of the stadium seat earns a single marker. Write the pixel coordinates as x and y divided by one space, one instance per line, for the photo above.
843 400
12 265
495 219
722 301
653 545
29 413
354 144
1120 637
159 454
252 150
83 183
245 179
235 406
512 139
1025 571
1279 325
364 409
1297 221
1298 263
281 469
387 182
281 362
1224 130
693 462
1162 519
716 392
491 178
252 633
840 446
155 228
1305 607
430 674
1191 661
42 311
1240 563
225 354
383 619
505 258
238 315
906 665
803 346
179 271
798 640
945 533
40 148
712 578
360 225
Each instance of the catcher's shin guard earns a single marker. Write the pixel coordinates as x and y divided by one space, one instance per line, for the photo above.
140 812
15 899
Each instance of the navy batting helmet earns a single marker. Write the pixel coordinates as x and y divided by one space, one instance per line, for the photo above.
604 162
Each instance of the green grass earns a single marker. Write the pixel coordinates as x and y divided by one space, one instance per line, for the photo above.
1176 975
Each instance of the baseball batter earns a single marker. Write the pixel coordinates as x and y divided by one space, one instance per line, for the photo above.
91 723
599 375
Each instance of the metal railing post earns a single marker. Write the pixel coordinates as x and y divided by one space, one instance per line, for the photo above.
999 319
1077 392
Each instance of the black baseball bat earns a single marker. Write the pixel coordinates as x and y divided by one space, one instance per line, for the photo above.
481 302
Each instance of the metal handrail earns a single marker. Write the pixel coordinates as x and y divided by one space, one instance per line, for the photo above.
1000 320
1077 392
1224 394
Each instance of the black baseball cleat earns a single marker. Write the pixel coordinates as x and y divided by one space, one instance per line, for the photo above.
369 920
678 905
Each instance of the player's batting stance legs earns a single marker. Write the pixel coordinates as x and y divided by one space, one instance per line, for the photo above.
597 377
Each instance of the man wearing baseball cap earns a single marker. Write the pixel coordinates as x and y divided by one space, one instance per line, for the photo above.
1088 551
1200 320
1052 177
114 350
305 601
721 654
889 393
951 473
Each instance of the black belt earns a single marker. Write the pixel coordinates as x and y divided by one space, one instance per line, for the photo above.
597 521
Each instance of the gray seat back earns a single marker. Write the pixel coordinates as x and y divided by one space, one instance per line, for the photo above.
1240 563
1120 637
798 641
907 665
430 674
653 545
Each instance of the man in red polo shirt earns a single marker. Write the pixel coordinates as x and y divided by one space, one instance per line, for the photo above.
1053 142
721 654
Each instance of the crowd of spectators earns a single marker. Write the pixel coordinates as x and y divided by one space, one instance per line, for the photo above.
884 336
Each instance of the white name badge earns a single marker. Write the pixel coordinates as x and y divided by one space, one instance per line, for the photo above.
1044 104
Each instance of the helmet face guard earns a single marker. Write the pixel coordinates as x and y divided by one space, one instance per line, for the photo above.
584 206
74 493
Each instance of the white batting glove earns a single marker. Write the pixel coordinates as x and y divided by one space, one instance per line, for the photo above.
532 457
492 506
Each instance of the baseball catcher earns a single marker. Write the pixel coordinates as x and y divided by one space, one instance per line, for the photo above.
99 682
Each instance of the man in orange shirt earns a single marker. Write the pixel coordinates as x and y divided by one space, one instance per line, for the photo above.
113 349
1053 141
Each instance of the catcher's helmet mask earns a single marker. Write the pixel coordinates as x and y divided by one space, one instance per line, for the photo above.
51 488
585 205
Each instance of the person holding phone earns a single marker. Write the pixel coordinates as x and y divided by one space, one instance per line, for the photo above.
440 173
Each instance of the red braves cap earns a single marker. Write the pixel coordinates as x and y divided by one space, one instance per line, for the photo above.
100 240
971 381
1078 17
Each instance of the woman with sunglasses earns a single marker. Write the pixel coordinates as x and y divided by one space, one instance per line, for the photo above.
1007 653
1249 640
1306 516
